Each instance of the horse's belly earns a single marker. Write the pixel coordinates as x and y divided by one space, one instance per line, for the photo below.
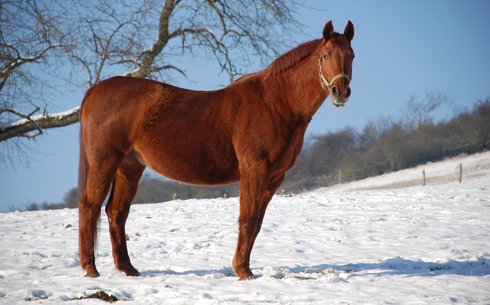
194 164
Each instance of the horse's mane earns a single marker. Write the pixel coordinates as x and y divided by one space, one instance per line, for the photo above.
292 57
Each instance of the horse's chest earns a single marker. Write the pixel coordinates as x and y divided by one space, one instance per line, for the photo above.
286 157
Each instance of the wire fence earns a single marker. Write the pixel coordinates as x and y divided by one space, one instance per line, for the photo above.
345 176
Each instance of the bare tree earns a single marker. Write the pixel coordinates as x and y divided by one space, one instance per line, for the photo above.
420 112
29 34
99 39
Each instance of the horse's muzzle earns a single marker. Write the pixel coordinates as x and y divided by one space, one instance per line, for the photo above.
340 97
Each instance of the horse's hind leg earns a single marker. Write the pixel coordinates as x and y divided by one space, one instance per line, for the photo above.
117 209
100 176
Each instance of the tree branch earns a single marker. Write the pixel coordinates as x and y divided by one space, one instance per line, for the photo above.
167 67
163 37
16 63
29 123
212 42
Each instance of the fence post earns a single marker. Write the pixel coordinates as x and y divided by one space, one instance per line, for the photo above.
423 176
460 172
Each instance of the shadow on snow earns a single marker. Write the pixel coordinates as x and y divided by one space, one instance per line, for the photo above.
406 267
392 266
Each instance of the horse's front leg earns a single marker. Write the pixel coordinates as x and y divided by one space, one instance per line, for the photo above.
269 192
252 188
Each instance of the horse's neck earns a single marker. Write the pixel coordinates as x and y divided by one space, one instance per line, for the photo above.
299 88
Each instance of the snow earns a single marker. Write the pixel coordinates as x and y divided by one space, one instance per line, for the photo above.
383 240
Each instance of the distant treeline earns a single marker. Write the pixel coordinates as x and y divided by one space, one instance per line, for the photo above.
384 145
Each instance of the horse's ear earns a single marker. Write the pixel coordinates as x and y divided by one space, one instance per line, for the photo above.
328 30
349 31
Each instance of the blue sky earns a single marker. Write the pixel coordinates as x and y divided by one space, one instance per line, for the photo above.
403 48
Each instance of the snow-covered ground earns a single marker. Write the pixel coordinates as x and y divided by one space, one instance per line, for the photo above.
365 242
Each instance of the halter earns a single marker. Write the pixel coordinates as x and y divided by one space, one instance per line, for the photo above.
324 82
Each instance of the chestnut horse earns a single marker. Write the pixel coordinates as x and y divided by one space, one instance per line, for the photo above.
251 131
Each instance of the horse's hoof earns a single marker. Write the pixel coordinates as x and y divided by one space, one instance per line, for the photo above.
92 272
245 275
247 278
132 272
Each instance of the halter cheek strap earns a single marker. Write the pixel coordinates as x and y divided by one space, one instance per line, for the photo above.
328 85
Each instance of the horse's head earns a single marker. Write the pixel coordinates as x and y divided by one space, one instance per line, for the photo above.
336 62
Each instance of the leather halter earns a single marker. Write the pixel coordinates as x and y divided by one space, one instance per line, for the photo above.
324 82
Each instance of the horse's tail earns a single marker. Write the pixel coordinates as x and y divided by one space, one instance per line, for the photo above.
82 168
82 162
83 171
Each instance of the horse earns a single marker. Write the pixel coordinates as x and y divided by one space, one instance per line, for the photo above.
250 131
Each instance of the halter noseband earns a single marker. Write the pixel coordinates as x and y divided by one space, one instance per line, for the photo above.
324 82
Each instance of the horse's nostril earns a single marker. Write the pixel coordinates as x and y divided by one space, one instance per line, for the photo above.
347 93
334 91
